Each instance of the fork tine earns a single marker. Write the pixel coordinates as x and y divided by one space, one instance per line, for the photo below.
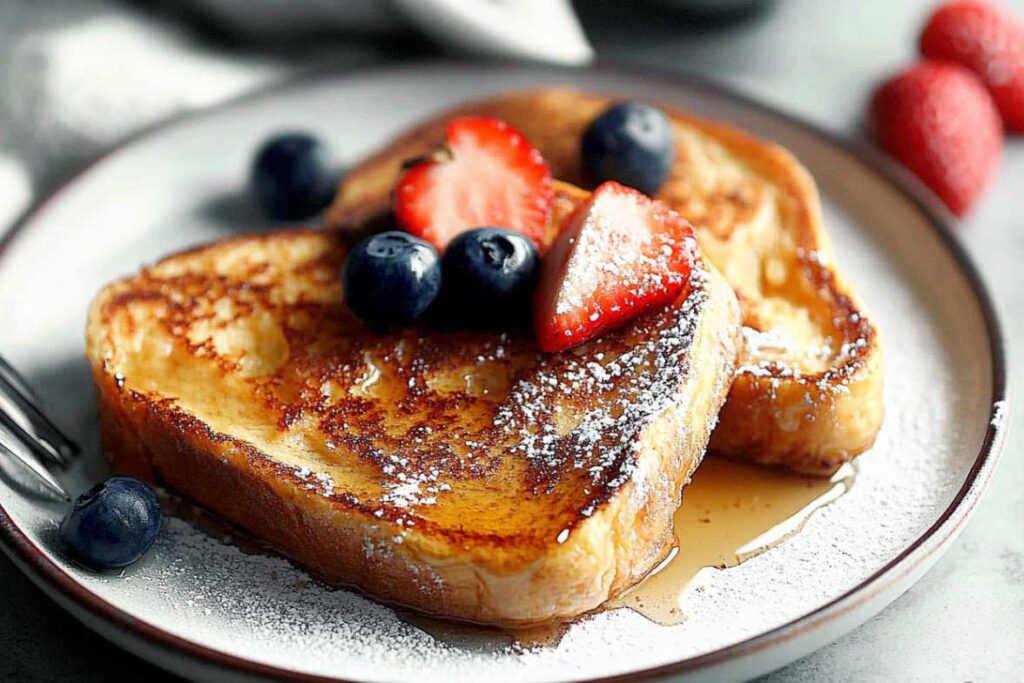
11 406
24 456
56 444
28 441
20 384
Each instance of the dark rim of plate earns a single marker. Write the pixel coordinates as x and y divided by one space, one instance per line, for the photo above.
162 646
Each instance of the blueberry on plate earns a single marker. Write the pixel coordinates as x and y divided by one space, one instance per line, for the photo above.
631 143
113 523
391 278
489 275
292 176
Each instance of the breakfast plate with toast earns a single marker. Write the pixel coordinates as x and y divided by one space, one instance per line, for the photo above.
578 375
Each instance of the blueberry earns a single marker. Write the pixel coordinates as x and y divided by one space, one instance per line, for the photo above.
113 523
490 275
292 176
391 278
631 143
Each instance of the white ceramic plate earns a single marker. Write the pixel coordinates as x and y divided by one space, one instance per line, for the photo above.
203 608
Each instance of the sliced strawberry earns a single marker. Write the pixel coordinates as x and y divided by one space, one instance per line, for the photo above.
487 174
618 255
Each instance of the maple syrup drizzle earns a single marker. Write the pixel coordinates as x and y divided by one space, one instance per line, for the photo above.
731 512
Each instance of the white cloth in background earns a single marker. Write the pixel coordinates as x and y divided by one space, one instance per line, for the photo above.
545 30
75 90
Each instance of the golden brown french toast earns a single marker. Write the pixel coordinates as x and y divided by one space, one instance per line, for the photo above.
461 473
808 393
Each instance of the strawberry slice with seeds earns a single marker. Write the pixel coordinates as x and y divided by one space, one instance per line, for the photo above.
487 174
617 256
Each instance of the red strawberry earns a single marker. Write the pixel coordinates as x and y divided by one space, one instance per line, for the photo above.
989 41
939 121
486 174
619 254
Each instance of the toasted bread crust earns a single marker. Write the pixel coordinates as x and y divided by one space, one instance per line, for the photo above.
188 401
808 392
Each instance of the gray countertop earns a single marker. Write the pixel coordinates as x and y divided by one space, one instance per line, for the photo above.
964 621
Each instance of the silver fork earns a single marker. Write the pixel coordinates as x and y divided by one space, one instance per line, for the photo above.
27 433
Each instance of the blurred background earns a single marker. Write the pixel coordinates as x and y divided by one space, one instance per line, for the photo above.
79 76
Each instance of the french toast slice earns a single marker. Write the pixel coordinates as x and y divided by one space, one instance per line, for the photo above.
463 473
808 392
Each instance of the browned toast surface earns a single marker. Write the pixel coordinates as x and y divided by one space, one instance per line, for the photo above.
463 473
808 391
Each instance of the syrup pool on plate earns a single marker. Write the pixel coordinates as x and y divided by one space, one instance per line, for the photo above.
731 512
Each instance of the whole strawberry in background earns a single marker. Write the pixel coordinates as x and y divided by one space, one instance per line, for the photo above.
989 41
940 122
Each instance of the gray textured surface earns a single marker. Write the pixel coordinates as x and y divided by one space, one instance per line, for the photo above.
965 619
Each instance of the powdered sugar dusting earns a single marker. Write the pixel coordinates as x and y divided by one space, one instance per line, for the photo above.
635 385
321 482
1000 410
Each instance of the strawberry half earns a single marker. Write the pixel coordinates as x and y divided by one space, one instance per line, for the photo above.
618 255
487 174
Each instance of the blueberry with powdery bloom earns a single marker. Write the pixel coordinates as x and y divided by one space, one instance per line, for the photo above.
631 143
